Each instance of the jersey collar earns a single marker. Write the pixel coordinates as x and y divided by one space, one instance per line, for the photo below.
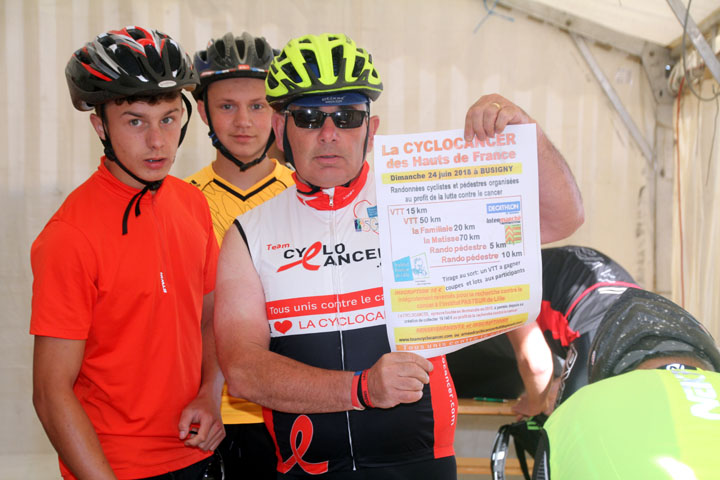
332 198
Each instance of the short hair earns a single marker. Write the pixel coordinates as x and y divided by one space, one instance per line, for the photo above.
149 99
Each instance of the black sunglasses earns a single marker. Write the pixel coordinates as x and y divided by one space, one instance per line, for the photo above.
314 118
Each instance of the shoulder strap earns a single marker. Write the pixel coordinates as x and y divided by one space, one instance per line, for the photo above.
541 469
499 453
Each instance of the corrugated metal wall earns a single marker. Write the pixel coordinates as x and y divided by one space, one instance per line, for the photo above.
435 58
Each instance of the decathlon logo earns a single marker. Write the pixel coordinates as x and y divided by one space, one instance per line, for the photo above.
318 255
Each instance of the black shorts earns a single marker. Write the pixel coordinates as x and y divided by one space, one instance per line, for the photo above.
209 468
248 452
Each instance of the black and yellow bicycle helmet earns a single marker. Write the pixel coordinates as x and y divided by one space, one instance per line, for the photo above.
316 64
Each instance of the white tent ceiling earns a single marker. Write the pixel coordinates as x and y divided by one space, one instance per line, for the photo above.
651 20
648 20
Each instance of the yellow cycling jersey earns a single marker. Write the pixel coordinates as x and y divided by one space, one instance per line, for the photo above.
226 202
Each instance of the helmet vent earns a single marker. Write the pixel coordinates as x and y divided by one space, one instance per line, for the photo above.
154 59
136 34
83 56
358 67
260 48
337 58
127 61
311 61
174 57
291 72
220 47
240 45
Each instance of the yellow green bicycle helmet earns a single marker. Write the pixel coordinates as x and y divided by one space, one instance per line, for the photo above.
316 64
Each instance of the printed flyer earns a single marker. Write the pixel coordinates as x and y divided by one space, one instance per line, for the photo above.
459 235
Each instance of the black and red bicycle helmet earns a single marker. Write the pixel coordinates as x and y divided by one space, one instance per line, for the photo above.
127 62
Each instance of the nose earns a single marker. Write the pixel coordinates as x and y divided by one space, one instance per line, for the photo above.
155 138
328 131
242 118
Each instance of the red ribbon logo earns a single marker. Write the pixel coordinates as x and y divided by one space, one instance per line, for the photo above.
309 253
302 427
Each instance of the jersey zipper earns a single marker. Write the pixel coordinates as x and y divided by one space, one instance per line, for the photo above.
338 290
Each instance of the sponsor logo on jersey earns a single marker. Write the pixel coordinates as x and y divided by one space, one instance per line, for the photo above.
320 255
700 393
366 219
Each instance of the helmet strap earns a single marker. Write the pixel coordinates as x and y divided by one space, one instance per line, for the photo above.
188 105
289 159
223 149
367 132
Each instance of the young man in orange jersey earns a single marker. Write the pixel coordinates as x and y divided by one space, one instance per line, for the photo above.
125 376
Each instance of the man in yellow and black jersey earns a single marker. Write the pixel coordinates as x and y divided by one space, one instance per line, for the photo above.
231 101
227 200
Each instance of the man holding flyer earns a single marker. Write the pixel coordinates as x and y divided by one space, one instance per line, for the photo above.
300 316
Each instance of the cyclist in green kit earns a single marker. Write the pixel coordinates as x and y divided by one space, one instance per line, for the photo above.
652 408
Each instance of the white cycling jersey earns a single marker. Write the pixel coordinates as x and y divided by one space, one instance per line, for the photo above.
318 258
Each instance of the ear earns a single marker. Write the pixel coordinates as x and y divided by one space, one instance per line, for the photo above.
97 124
201 111
374 124
278 125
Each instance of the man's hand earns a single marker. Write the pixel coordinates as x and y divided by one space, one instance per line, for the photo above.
201 425
545 403
398 377
490 115
528 407
561 209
